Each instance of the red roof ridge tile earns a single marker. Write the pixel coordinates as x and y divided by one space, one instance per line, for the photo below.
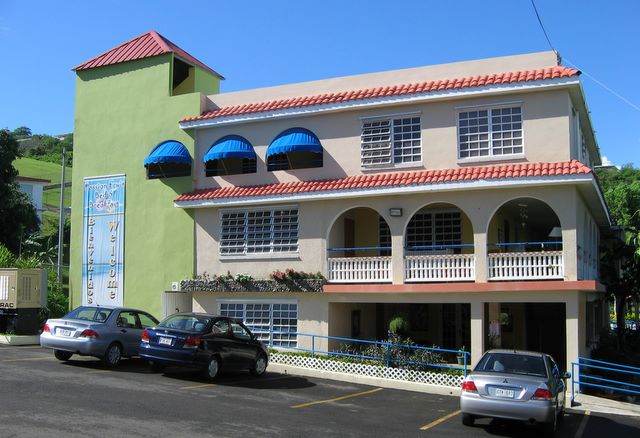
147 45
396 179
390 90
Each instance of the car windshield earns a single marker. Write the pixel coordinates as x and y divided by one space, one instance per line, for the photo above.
512 364
191 323
95 314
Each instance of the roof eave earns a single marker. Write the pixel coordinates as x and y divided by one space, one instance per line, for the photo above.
502 183
380 102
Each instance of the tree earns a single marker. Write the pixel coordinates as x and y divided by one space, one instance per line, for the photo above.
620 267
22 131
18 218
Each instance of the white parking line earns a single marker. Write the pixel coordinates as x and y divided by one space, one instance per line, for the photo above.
583 424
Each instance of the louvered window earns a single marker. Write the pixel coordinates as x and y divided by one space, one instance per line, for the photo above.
259 232
390 142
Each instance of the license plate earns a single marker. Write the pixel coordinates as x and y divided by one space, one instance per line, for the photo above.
164 341
63 332
504 393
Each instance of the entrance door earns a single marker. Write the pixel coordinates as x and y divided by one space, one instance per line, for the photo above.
546 330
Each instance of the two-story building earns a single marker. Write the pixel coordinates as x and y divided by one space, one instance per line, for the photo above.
459 196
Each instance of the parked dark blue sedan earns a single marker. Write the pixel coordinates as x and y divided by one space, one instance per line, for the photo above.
208 342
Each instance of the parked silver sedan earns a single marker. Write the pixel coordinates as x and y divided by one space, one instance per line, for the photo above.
515 385
108 333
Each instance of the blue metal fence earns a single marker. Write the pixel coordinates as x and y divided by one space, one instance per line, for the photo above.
389 350
600 374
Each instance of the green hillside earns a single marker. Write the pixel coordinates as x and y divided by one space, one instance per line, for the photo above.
51 171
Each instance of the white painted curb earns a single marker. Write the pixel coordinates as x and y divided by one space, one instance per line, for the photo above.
19 340
364 380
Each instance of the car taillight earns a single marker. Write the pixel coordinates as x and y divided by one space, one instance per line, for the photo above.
46 328
542 394
469 386
145 336
192 341
88 333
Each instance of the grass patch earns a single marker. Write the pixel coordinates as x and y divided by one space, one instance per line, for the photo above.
41 169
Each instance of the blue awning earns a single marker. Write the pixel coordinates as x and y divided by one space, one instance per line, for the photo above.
169 151
231 146
295 140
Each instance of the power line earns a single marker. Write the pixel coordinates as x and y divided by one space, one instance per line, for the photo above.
542 26
602 84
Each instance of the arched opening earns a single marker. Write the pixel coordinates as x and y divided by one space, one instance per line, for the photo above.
359 248
438 244
525 242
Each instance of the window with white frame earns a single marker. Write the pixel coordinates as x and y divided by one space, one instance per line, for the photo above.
431 231
259 231
272 322
490 132
391 141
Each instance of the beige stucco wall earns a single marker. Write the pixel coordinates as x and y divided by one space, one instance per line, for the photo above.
546 131
316 219
393 77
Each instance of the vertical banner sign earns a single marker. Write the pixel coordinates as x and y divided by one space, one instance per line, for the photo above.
103 241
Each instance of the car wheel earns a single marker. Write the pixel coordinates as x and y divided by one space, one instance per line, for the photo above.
468 419
549 429
156 367
113 355
62 355
259 366
561 413
212 369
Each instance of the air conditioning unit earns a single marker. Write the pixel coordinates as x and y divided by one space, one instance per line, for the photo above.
175 286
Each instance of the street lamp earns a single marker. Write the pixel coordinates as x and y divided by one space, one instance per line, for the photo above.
61 216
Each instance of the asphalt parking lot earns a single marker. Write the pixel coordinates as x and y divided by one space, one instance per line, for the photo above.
40 396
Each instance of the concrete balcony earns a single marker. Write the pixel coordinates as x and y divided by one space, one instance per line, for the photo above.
360 270
439 268
538 265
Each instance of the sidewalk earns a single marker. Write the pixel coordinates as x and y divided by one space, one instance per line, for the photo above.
603 405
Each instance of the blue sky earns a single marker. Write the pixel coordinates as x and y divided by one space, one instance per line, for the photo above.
262 43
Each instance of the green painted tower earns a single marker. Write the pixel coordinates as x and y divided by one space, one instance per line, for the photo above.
128 101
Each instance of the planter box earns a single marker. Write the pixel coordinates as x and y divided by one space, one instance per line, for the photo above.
230 285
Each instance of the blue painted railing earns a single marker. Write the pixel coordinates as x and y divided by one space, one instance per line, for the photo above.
387 359
583 374
524 244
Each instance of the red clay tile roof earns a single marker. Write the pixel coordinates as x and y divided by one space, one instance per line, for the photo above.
395 90
398 179
144 46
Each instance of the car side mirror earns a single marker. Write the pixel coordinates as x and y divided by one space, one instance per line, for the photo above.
566 375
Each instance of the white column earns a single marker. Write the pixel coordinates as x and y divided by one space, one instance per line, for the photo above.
575 327
477 331
480 253
397 258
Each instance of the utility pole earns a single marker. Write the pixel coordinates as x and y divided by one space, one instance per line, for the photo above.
61 217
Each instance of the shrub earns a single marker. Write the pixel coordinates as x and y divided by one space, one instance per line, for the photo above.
399 325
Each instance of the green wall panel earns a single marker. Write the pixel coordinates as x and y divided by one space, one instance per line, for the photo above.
121 113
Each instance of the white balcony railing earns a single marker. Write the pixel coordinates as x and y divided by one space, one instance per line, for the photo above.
360 269
440 268
542 265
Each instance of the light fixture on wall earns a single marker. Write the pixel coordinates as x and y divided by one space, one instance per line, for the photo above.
524 214
555 232
395 212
